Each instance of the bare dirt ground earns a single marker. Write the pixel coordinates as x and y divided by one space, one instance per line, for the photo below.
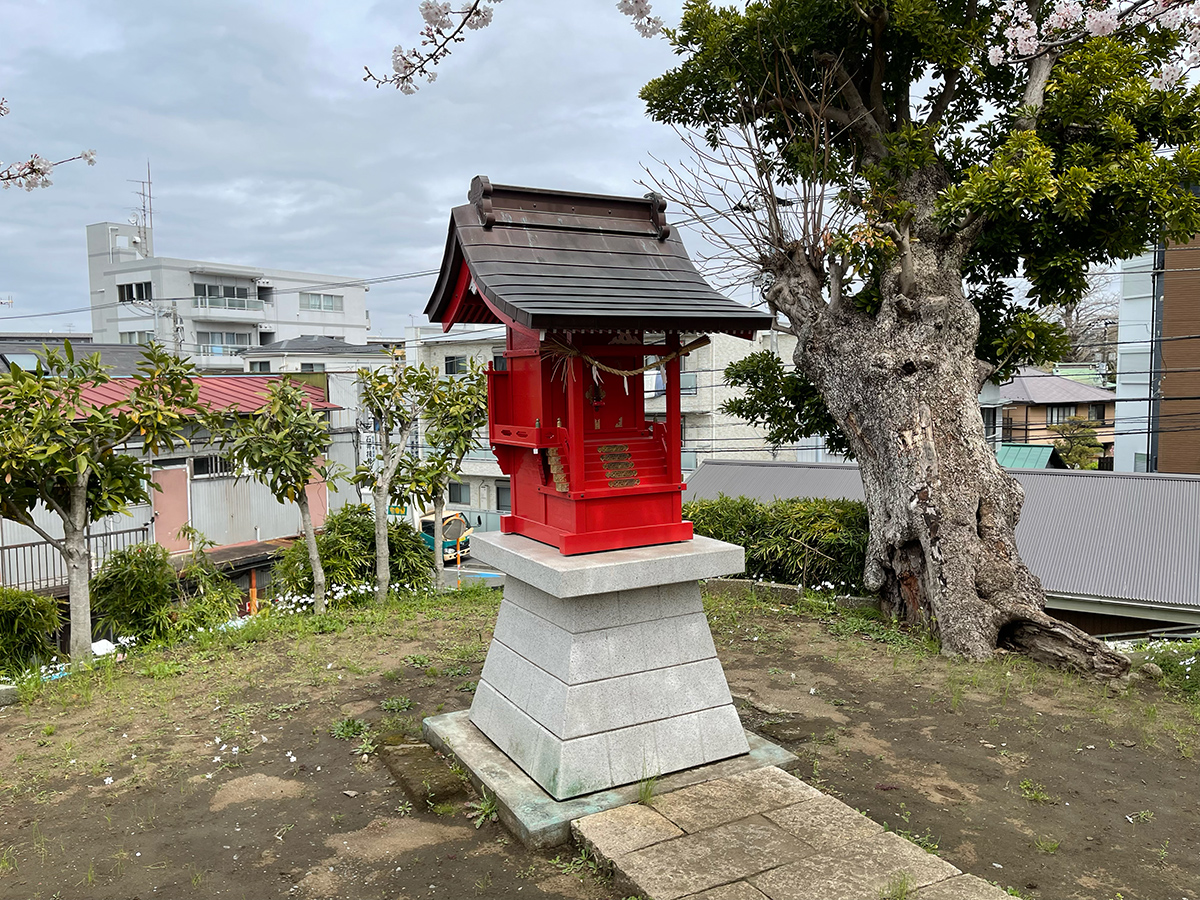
1050 787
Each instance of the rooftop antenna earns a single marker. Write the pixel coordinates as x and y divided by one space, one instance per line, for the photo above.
7 301
144 218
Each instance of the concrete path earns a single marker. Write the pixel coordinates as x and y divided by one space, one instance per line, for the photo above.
765 834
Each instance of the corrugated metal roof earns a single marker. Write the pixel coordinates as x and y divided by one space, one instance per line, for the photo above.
566 261
1102 535
119 359
242 393
1032 385
1029 456
319 344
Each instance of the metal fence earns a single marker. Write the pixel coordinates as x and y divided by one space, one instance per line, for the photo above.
38 566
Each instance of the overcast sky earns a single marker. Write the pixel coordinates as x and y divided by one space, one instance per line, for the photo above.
268 149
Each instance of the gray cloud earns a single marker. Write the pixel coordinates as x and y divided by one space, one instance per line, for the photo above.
268 149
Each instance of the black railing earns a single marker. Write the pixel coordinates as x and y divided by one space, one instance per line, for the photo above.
38 566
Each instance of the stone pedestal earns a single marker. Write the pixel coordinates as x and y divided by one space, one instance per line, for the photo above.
602 669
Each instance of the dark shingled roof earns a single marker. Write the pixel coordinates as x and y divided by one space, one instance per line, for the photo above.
565 261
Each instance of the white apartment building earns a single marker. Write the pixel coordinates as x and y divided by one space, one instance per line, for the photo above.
208 311
1139 325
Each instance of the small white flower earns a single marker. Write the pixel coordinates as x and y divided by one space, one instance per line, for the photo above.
108 780
216 759
209 775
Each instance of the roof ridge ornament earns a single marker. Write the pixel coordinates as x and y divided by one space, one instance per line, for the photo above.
480 196
658 206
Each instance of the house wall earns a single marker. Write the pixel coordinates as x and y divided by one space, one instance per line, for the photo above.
1134 445
1025 423
1179 419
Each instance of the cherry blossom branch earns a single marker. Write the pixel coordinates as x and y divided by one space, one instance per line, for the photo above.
1033 31
34 172
445 27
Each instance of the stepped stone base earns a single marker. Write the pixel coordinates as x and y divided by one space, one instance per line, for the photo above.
602 669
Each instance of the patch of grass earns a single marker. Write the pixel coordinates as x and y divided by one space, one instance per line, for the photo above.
1046 845
1141 817
417 660
467 687
8 860
899 888
348 728
646 789
396 704
927 841
582 864
485 809
1035 792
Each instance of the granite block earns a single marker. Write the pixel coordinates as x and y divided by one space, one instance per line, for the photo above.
824 823
615 832
717 802
721 733
855 871
543 567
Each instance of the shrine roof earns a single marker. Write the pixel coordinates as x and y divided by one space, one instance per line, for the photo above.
557 260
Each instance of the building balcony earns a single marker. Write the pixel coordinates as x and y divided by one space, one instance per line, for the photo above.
220 307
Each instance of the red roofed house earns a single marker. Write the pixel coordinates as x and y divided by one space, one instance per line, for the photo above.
198 487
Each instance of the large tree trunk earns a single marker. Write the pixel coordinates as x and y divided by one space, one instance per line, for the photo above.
903 385
314 555
439 510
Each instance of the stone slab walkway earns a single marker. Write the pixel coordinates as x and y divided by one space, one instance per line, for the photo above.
765 835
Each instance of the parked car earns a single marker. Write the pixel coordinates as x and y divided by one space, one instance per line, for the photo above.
456 535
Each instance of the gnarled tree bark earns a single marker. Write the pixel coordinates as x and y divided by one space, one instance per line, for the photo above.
903 383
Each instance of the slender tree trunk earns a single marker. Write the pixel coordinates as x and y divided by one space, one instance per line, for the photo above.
314 556
903 385
78 572
439 510
381 494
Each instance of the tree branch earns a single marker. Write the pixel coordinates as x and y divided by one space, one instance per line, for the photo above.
941 103
862 122
19 515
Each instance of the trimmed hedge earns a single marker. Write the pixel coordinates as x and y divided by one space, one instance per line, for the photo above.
347 548
26 623
808 542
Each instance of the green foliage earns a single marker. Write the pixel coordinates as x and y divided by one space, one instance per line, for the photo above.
134 593
812 542
51 437
1077 443
786 403
347 548
1180 664
139 594
26 623
348 728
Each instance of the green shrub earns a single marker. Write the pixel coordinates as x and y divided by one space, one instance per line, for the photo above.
137 593
1180 664
26 622
347 548
134 593
810 542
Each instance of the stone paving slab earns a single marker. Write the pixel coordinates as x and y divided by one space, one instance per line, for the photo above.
764 835
856 871
536 818
717 802
962 887
709 858
739 890
824 823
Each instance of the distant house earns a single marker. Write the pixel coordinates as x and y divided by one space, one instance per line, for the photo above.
1029 456
1035 400
197 487
1114 552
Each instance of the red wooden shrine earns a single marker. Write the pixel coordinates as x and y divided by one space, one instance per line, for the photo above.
589 288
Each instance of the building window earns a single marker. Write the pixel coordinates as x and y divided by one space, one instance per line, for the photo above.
264 367
456 365
503 497
1096 413
312 367
460 492
1057 415
224 296
211 467
127 293
499 363
989 423
137 337
221 343
323 302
